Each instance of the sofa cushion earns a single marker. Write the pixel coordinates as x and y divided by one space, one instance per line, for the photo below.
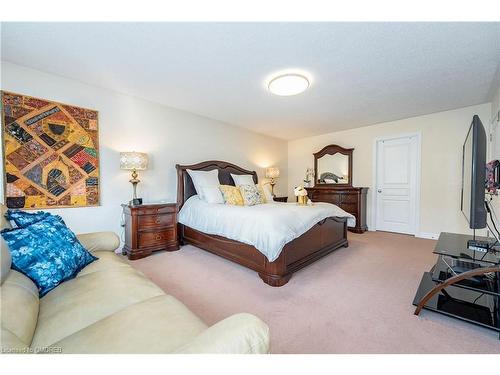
87 299
157 325
107 260
19 309
4 223
5 258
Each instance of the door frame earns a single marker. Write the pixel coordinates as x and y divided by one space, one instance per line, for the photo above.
373 215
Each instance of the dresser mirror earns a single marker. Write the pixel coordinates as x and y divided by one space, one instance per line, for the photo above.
333 166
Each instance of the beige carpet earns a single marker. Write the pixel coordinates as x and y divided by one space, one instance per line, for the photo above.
355 300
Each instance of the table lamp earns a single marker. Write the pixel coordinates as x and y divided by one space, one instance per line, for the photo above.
272 173
134 161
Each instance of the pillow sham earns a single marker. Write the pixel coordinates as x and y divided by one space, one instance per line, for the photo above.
266 192
243 179
47 252
232 195
250 194
203 178
21 219
262 194
212 194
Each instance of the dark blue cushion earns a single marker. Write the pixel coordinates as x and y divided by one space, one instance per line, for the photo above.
21 219
47 252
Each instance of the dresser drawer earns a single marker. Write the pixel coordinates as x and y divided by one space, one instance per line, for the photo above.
326 197
350 198
352 208
156 210
155 221
156 238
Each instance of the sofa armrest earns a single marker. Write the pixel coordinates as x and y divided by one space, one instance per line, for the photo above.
238 334
99 241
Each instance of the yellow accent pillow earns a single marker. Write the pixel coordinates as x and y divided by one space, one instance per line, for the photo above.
232 195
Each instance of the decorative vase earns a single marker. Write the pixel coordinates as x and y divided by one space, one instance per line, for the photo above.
302 200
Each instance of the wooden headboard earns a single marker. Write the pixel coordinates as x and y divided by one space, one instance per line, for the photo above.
185 187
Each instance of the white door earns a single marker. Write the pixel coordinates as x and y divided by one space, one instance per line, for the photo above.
396 186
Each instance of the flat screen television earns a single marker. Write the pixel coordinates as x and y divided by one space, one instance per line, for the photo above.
474 175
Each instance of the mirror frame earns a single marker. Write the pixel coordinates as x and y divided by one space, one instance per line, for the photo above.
332 150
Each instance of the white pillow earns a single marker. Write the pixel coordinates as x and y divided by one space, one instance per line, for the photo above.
212 194
204 178
243 179
267 193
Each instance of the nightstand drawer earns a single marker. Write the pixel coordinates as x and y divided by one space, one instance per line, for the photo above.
156 210
149 239
155 221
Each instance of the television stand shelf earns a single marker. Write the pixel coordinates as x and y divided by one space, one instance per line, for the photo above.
464 283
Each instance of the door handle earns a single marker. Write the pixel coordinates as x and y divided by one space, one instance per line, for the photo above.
379 190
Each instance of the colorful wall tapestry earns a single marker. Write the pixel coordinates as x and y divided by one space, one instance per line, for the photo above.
51 153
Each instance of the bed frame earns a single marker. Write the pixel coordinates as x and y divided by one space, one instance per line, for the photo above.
325 237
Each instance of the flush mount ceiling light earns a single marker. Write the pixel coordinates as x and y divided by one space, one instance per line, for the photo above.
288 84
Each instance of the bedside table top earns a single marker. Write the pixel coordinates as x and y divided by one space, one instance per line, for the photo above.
150 205
280 199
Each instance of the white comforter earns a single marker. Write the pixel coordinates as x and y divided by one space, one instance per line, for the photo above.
267 227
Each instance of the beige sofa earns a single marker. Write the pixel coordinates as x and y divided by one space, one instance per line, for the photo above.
110 307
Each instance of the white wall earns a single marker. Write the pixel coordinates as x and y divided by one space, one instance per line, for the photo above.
495 120
442 133
169 136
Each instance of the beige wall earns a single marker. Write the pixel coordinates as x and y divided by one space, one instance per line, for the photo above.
442 138
169 136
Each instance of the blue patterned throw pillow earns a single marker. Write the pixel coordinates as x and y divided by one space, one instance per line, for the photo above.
47 252
21 219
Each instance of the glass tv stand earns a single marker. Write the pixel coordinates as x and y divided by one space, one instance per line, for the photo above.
463 284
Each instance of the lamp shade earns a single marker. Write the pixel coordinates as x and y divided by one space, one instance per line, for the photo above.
133 160
272 172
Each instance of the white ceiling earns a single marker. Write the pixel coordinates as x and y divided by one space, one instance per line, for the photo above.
363 73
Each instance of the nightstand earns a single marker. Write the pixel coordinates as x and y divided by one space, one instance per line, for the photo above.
280 199
148 228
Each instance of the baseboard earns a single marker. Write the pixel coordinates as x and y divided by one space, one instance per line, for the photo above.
430 236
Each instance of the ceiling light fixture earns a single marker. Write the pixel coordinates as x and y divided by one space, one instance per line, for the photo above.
288 84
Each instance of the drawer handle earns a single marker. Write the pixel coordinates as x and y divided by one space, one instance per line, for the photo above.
157 220
158 237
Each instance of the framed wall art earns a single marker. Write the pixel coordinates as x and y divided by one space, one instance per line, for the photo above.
51 153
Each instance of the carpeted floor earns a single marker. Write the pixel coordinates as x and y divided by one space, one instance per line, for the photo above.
355 300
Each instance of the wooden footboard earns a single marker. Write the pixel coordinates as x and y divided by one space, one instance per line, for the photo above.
320 240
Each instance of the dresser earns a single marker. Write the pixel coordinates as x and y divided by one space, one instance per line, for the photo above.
350 199
148 228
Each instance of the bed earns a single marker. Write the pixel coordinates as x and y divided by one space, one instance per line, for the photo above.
321 239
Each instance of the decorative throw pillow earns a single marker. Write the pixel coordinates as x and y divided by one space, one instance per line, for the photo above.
21 219
250 194
212 194
265 191
243 179
232 195
47 252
